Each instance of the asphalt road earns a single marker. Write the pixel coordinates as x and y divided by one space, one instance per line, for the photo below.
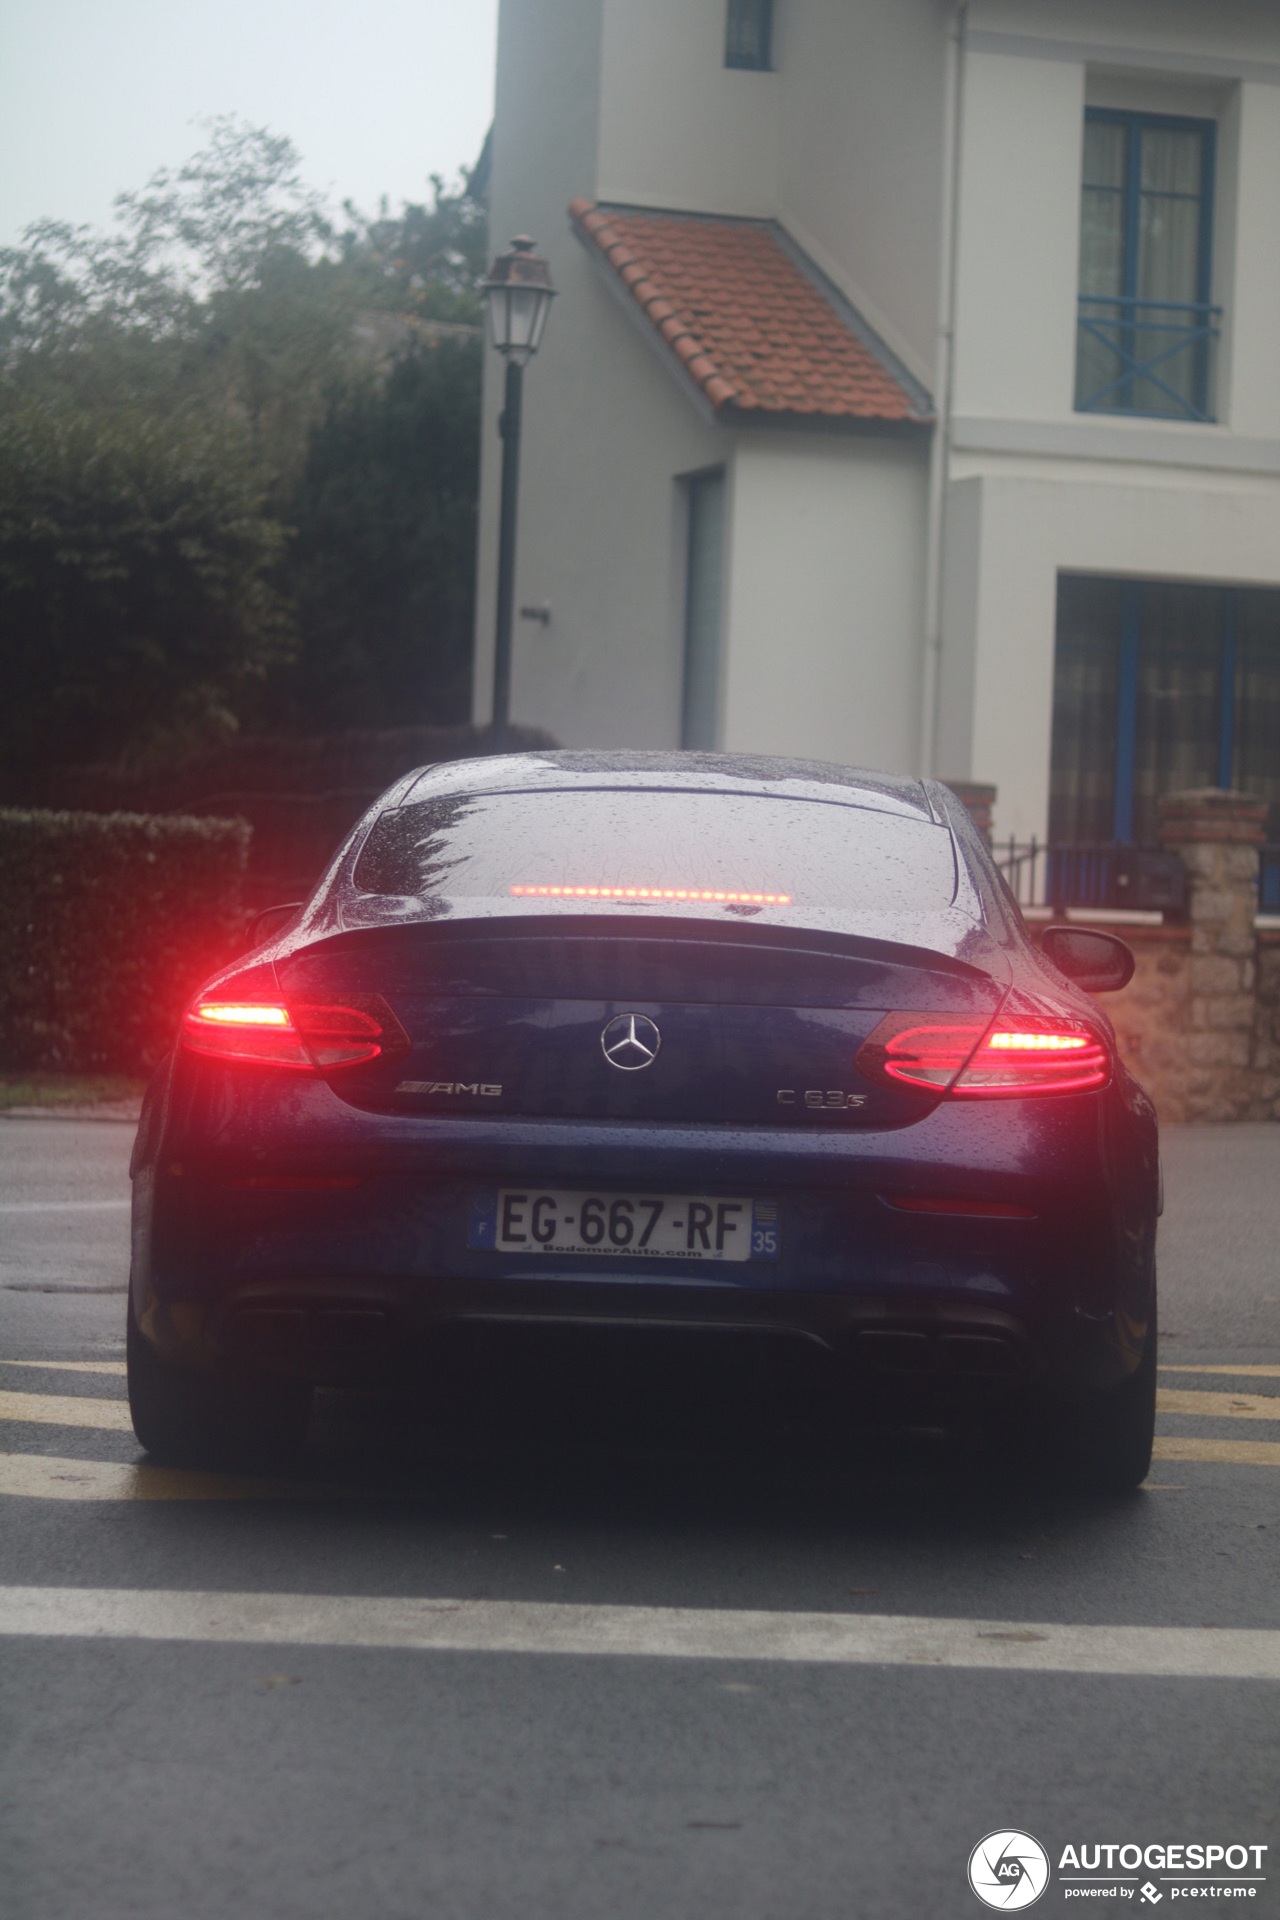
586 1668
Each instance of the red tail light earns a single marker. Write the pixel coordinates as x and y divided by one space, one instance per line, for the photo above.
1037 1056
968 1059
237 1021
258 1032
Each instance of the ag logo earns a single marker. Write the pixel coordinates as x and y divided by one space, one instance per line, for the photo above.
1008 1870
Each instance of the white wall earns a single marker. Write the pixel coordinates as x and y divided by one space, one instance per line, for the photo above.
1018 237
608 432
826 561
860 155
1025 90
606 428
1056 491
548 51
842 142
823 575
677 128
825 599
1194 29
1251 402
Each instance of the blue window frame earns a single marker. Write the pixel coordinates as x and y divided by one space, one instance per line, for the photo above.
1147 324
1160 685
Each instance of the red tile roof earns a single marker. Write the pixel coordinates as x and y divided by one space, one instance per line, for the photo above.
753 324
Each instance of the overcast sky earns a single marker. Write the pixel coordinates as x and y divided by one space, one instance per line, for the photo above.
96 94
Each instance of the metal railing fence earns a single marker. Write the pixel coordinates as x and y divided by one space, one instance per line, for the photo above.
1102 874
1156 356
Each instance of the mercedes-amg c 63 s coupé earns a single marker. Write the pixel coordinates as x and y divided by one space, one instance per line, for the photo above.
729 1051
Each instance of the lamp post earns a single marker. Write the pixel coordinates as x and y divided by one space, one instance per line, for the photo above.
518 296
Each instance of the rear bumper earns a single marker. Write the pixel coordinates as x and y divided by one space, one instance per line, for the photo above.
370 1282
424 1335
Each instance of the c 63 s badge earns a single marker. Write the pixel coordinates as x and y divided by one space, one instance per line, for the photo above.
478 1089
820 1099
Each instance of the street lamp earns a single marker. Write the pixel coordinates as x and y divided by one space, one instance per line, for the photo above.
518 296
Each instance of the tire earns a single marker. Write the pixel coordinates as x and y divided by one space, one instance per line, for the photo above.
189 1419
1103 1444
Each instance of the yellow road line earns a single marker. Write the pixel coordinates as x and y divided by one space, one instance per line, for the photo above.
46 1477
39 1477
58 1410
1250 1373
71 1366
1220 1406
1246 1453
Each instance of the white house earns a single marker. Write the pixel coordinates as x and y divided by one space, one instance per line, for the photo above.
912 395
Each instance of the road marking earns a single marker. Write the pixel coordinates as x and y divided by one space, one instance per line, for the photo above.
66 1410
1219 1406
37 1476
65 1206
61 1286
1251 1373
71 1366
1247 1453
682 1633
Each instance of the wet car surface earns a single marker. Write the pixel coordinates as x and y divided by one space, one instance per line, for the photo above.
725 1065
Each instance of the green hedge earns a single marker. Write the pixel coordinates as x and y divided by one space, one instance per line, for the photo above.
108 923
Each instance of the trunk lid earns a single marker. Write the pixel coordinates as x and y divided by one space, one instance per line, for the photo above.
760 1028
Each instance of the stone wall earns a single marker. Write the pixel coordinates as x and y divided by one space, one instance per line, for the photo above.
1152 1015
1199 1024
1266 1035
1218 835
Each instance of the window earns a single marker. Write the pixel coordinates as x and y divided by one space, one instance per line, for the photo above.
703 595
615 849
1158 686
749 34
1146 324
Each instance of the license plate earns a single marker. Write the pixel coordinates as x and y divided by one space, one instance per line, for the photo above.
636 1225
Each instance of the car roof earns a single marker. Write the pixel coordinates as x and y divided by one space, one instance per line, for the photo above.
659 770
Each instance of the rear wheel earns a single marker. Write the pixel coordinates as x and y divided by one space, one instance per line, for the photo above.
184 1418
1103 1444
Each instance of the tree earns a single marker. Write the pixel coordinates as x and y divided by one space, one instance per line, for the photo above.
179 397
382 564
136 595
219 287
425 261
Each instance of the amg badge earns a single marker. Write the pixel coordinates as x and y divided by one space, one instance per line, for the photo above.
483 1091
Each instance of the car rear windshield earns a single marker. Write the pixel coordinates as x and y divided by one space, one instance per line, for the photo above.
704 853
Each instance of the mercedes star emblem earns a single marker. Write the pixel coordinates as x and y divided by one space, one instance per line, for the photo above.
631 1041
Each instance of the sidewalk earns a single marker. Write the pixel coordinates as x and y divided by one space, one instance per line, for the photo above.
70 1096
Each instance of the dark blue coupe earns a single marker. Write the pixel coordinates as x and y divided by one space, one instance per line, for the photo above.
650 1047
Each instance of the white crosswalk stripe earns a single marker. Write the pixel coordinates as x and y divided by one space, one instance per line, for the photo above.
64 1206
116 1367
1220 1406
65 1410
684 1633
